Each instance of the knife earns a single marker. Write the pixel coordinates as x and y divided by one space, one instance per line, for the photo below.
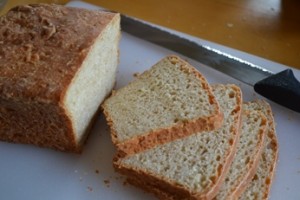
282 88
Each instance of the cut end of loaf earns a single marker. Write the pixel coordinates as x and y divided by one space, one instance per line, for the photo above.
94 81
171 100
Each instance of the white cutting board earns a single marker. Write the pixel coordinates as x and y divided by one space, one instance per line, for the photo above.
28 172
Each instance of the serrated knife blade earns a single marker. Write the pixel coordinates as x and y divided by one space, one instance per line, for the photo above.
282 88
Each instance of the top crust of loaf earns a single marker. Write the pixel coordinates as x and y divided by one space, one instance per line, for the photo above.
42 47
151 109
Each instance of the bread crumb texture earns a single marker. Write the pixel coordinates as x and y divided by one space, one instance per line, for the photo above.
170 94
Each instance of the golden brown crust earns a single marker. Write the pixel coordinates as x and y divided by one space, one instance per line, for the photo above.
40 53
170 190
274 145
179 130
36 123
162 136
40 49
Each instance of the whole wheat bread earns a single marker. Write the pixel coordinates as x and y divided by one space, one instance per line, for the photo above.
259 187
57 64
193 167
169 101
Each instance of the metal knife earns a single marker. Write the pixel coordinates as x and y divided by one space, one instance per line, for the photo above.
282 88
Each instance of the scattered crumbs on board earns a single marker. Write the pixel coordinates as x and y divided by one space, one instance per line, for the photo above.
118 177
89 188
125 183
136 74
106 182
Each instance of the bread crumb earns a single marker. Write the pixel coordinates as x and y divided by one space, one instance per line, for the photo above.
90 188
107 182
97 171
136 74
125 183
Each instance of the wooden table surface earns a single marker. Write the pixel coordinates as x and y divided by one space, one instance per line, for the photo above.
266 28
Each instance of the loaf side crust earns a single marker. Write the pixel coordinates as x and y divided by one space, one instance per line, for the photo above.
47 125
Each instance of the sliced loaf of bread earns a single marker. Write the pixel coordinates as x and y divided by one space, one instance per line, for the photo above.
193 167
169 101
57 65
259 187
249 148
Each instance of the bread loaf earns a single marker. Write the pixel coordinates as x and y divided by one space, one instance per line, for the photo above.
193 167
169 101
57 64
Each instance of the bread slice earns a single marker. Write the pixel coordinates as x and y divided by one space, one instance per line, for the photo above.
244 165
169 101
193 167
260 185
245 162
57 65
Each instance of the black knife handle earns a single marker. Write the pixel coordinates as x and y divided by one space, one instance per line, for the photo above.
282 88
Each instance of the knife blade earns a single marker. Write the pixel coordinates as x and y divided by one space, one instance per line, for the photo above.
282 88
